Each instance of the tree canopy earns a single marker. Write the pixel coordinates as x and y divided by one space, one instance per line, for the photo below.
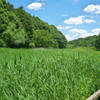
84 42
20 29
97 42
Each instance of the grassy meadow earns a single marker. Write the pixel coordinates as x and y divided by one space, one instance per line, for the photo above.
48 74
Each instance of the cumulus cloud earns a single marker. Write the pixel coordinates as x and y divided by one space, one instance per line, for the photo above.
83 33
89 21
64 27
93 32
35 6
75 20
96 31
71 37
93 9
75 30
78 20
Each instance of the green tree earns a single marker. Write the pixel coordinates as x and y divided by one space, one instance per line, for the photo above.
32 45
2 43
2 3
3 21
42 38
84 42
60 38
13 37
18 28
97 42
10 7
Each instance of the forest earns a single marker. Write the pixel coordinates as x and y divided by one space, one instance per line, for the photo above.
90 41
19 29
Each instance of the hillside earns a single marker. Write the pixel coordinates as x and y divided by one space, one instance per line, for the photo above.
84 42
20 29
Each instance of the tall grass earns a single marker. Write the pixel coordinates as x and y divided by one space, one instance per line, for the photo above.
32 74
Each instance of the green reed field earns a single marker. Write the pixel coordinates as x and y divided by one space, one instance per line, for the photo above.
48 74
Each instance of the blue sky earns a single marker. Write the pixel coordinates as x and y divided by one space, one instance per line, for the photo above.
74 18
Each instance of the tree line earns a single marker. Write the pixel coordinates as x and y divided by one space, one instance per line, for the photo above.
90 41
20 29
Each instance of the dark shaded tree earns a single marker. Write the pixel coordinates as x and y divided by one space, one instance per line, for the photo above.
97 42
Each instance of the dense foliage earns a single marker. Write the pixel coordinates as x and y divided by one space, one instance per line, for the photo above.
32 74
20 29
91 41
97 42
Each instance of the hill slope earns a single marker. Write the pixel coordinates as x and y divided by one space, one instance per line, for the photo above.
20 29
84 42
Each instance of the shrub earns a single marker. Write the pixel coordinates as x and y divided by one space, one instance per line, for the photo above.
32 45
70 46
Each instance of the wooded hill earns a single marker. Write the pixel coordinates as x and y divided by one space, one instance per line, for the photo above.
91 41
20 29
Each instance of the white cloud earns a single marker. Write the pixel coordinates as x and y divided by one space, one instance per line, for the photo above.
83 33
80 33
78 20
35 6
64 27
93 32
93 9
89 34
75 30
75 35
96 31
75 20
69 37
64 15
89 21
